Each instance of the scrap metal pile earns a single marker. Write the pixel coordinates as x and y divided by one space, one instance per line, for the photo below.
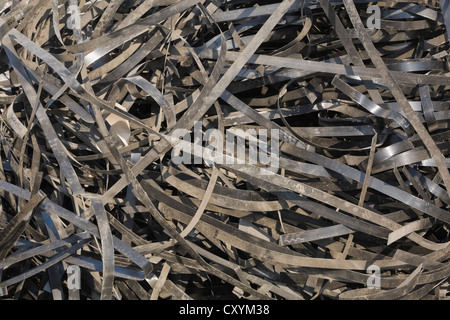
115 182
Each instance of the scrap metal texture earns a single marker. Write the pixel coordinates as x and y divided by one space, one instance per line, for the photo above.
198 149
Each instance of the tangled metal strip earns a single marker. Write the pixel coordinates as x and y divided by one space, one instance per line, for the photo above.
117 179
